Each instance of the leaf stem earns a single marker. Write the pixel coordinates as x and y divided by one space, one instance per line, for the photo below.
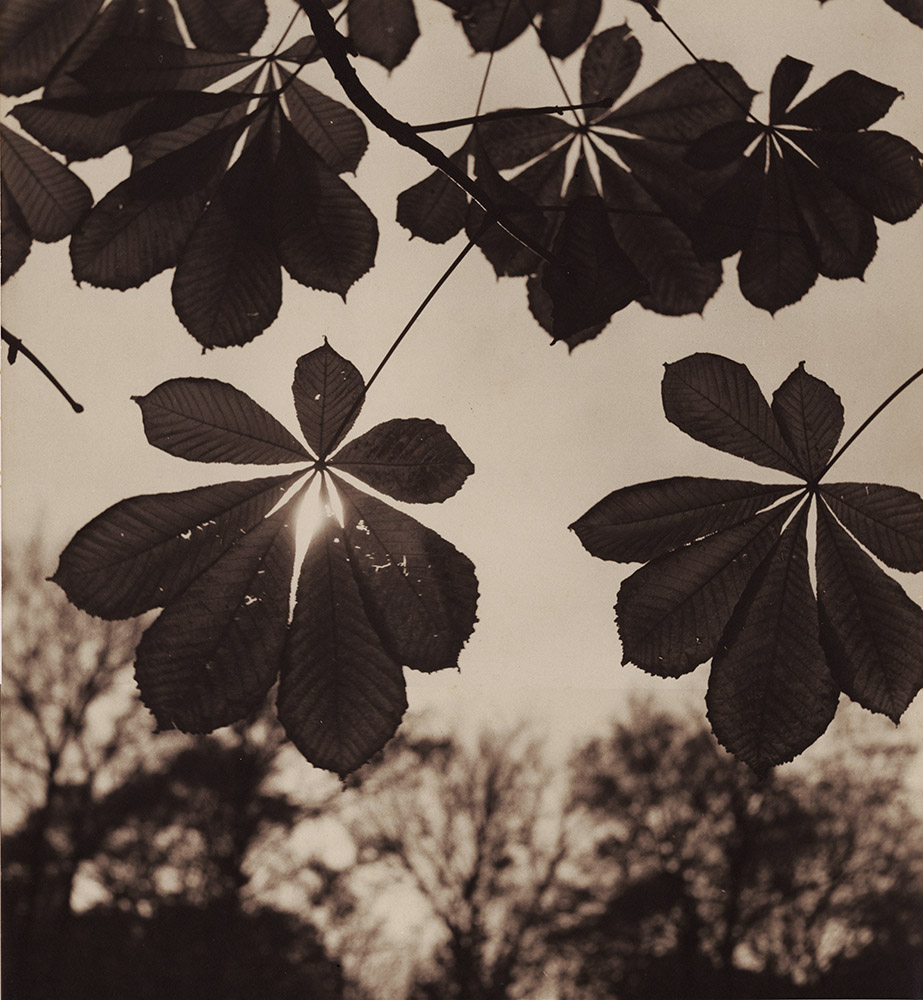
550 109
430 295
18 347
285 33
336 51
869 419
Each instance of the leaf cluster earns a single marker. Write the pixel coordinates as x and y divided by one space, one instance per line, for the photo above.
376 590
727 575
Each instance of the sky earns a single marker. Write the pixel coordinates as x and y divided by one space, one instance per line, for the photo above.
549 433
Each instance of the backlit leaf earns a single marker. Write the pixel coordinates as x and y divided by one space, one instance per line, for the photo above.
641 522
341 695
228 26
566 25
204 420
409 459
887 520
672 612
141 226
846 103
719 402
228 283
34 35
143 552
383 30
435 208
419 592
770 693
333 131
16 238
328 392
50 199
326 237
871 631
214 653
609 65
810 416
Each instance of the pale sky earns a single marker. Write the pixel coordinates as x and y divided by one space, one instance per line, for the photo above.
549 434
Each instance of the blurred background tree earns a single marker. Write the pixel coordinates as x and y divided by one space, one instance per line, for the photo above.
469 867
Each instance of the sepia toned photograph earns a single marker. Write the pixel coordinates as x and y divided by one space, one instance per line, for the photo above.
462 518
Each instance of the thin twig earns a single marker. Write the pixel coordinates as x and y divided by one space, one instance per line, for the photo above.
868 420
550 109
336 51
397 343
18 347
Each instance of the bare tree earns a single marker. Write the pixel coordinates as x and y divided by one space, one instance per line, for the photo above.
477 836
704 880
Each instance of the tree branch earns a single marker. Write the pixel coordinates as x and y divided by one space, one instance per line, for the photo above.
336 51
18 347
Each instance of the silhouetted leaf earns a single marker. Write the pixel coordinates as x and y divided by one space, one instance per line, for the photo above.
229 26
383 30
228 283
911 9
810 416
592 277
641 522
151 66
771 693
411 459
886 519
672 612
143 552
204 420
802 202
721 582
609 65
328 392
375 594
435 208
871 631
305 50
16 238
566 25
141 226
34 35
492 24
341 696
335 132
214 652
50 199
419 592
719 402
326 237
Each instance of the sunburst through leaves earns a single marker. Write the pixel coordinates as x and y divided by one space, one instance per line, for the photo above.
376 591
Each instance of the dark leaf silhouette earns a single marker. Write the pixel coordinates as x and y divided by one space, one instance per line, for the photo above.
611 244
335 132
377 592
383 30
492 24
803 202
566 25
435 208
42 199
231 26
911 9
727 574
35 35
